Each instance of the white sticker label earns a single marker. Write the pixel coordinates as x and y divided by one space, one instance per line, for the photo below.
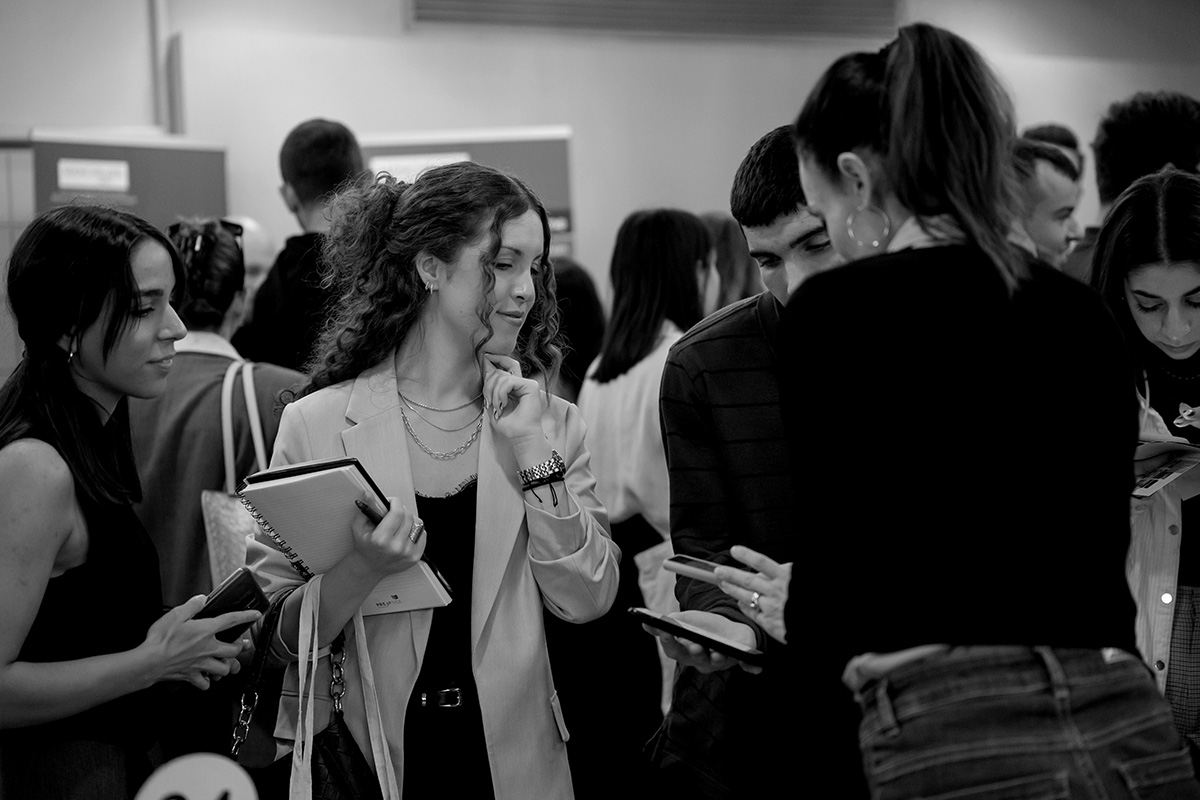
408 166
93 174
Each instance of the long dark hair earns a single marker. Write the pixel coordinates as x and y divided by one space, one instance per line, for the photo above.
1155 221
380 225
654 278
70 269
932 109
213 267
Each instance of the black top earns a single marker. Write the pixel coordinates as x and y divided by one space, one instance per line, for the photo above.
450 522
945 498
103 606
1173 384
289 308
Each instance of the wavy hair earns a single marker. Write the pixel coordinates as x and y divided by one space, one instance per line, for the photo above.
69 270
936 114
1155 221
378 228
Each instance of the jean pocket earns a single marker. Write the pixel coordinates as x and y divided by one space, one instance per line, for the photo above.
1168 776
1053 786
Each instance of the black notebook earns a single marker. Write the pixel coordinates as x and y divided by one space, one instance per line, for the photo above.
307 509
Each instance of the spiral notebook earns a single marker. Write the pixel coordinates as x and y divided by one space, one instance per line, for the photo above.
307 510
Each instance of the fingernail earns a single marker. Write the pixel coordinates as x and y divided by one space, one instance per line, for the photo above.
361 505
496 415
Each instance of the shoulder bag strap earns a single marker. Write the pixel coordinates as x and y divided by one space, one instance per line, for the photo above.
227 425
256 433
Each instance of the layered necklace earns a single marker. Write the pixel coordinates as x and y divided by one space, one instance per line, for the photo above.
477 421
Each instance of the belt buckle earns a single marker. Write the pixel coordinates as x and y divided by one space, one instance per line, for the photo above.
443 698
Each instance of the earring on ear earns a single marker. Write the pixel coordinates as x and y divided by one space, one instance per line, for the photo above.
431 287
872 232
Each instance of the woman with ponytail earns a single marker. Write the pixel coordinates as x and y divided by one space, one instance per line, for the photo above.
445 302
967 581
82 634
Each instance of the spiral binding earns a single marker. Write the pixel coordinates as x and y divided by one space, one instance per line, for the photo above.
292 556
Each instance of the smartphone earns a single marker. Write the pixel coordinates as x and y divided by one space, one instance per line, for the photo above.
752 656
239 592
696 568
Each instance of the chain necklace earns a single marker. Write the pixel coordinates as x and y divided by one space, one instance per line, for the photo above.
412 403
455 453
433 424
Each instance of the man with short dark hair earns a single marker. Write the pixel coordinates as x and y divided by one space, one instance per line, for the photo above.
289 310
1138 137
1049 193
730 484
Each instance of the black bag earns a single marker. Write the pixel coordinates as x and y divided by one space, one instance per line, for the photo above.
339 769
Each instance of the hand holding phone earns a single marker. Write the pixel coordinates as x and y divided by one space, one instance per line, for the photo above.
691 567
713 641
239 592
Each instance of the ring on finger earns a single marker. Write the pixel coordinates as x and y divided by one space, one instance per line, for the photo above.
754 601
418 527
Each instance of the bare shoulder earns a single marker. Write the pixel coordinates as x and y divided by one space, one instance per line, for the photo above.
36 486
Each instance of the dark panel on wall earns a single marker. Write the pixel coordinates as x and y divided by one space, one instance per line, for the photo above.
164 183
773 18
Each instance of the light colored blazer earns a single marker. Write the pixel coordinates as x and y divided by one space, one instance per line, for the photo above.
524 559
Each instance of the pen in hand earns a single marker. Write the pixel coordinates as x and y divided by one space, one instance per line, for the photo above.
368 512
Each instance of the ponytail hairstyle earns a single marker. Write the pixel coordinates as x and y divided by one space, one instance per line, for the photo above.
654 278
70 269
1155 221
936 115
213 268
378 228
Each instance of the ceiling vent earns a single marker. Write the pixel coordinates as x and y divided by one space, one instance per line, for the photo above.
710 18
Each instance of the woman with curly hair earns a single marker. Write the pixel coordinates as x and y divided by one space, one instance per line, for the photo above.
445 302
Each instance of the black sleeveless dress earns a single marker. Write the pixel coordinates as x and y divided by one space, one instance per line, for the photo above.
103 606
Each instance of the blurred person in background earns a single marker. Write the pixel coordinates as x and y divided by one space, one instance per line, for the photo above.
258 251
738 272
291 306
580 324
1137 137
1049 189
659 260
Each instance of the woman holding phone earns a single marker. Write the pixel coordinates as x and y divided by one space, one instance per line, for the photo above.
1147 267
445 302
83 638
968 592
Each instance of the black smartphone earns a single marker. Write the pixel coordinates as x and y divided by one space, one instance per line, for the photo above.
712 641
696 568
239 592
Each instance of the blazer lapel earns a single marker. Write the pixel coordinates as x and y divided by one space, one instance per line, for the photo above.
499 512
376 437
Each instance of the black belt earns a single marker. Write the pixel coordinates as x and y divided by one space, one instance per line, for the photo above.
451 697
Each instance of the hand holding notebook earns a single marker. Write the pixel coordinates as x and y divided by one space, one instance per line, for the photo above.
309 511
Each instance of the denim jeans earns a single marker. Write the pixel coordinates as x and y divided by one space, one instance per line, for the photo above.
1003 723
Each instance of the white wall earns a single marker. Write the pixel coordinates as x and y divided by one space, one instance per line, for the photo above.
66 63
658 121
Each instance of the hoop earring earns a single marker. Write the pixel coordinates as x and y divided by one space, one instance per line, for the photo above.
875 239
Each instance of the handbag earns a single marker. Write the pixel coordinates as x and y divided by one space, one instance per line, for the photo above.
328 765
227 522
